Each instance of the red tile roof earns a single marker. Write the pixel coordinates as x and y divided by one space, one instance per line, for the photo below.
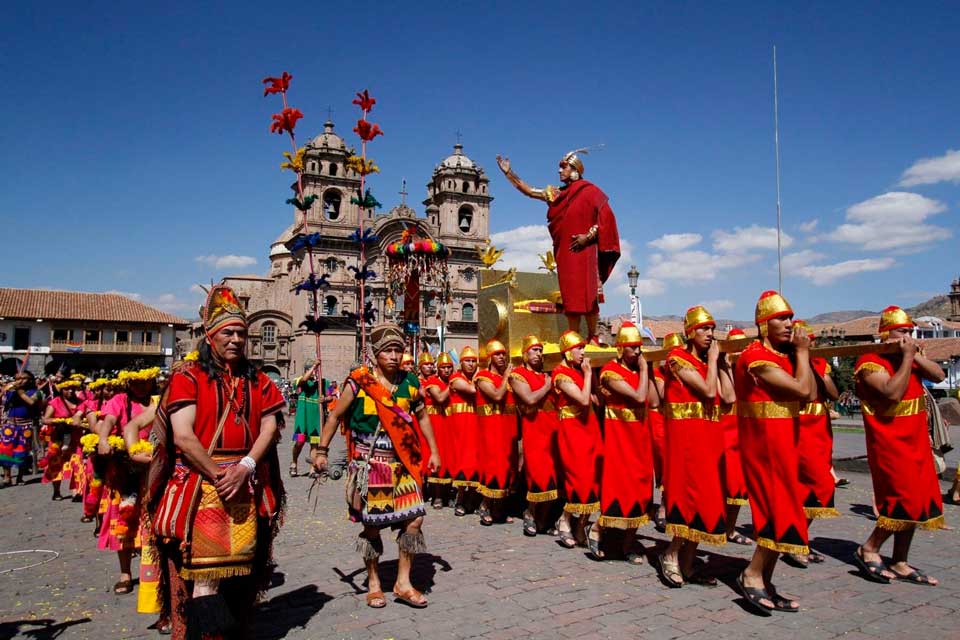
941 349
76 305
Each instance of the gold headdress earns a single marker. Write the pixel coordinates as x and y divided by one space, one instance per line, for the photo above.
444 358
468 353
697 317
770 305
570 340
495 346
221 309
141 375
629 336
893 317
425 358
672 340
529 342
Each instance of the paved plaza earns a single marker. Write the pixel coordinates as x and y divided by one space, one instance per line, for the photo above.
486 582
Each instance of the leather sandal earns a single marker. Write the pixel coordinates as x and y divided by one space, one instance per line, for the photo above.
873 570
411 597
123 587
372 598
566 539
914 577
529 527
670 572
753 596
593 544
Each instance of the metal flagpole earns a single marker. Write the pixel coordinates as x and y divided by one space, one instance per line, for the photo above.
776 141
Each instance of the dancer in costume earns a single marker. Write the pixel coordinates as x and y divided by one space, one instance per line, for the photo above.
734 486
626 484
535 399
815 448
585 238
311 397
122 496
579 440
58 422
215 491
497 421
905 486
657 377
697 381
464 431
436 398
74 468
21 406
100 391
407 363
770 391
426 366
385 471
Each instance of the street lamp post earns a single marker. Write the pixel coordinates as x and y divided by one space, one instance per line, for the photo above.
636 312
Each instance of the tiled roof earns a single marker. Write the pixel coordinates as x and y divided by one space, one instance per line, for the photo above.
941 349
76 305
868 325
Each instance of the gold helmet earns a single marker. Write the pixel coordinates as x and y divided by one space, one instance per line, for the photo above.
444 358
407 358
893 317
736 334
770 305
572 158
468 353
529 342
495 346
570 340
695 318
629 335
425 358
672 340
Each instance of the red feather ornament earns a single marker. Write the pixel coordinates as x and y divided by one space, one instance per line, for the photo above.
364 101
277 85
367 131
286 120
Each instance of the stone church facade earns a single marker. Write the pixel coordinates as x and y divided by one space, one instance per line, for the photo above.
456 213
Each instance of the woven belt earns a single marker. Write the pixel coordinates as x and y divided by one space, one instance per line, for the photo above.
901 409
461 407
768 409
623 414
690 410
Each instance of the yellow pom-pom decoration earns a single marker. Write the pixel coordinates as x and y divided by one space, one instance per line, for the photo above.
141 446
193 356
116 443
96 482
90 442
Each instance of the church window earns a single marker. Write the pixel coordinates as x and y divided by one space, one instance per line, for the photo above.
313 167
466 187
330 305
331 264
268 333
331 204
333 168
465 219
467 313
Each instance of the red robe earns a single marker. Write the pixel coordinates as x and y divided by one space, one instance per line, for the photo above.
438 421
734 486
657 436
538 431
572 210
694 495
464 436
769 433
626 483
498 428
579 443
816 454
905 484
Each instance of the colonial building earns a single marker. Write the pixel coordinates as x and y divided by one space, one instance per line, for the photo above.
86 331
456 213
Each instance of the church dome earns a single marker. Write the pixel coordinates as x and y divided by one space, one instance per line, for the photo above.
458 160
277 249
328 140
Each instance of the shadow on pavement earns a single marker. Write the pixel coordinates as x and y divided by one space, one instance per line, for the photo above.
836 548
864 510
421 575
48 630
279 615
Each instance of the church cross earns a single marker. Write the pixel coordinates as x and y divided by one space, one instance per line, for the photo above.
459 136
403 192
330 113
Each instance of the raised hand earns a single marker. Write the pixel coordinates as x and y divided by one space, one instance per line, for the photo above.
504 164
800 339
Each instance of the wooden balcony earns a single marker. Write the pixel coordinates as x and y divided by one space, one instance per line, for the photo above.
63 346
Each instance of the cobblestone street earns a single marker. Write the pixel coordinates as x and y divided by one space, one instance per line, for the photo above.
486 582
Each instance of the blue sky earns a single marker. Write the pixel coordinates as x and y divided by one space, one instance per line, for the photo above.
136 138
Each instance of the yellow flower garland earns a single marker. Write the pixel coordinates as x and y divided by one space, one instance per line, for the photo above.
90 442
116 443
141 446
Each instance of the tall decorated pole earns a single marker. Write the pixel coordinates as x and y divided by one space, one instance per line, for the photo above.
285 122
365 201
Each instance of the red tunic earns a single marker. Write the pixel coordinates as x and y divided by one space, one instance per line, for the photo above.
769 433
464 436
626 483
694 496
905 484
438 421
734 486
816 454
579 443
538 426
657 433
573 209
498 427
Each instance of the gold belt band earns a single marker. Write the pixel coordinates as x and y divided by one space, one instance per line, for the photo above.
688 410
435 411
768 409
488 410
901 409
624 414
461 407
570 412
814 409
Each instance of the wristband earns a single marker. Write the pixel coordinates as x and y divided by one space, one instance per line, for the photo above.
248 463
323 450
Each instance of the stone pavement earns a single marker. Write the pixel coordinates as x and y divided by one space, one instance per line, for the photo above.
484 582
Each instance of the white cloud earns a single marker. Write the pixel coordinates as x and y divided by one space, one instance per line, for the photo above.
694 266
127 294
748 238
671 242
716 307
793 261
226 262
893 220
195 288
828 273
945 168
521 246
809 225
170 303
